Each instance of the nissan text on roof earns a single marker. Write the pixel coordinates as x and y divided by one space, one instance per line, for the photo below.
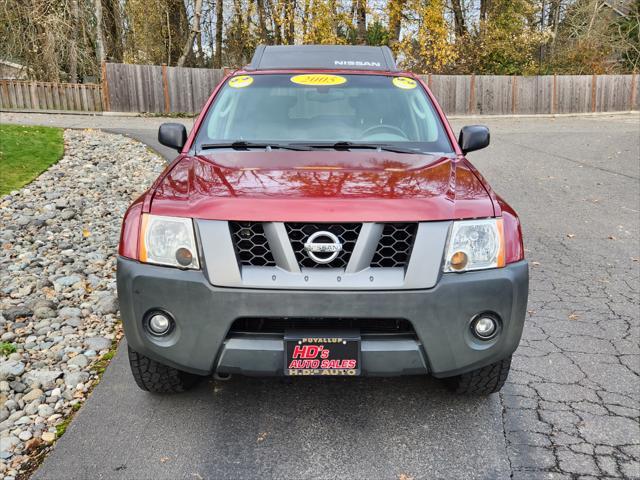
321 219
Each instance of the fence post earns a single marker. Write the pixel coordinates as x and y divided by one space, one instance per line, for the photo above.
105 88
594 87
165 88
472 94
4 94
514 94
554 94
633 91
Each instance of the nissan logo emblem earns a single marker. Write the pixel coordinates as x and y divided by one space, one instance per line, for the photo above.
324 243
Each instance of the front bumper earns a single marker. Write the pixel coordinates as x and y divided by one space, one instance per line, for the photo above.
440 316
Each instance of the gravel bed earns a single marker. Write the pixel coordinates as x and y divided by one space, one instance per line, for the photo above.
58 304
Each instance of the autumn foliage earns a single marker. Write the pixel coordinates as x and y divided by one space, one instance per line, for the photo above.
66 40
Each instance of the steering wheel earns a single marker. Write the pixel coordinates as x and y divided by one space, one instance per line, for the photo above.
383 127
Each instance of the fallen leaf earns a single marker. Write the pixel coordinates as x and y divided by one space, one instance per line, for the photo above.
570 235
573 316
32 444
404 476
86 233
163 459
535 264
611 237
262 436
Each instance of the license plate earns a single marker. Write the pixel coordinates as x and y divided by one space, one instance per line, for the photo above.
310 353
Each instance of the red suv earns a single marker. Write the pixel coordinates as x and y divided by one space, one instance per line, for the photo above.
321 219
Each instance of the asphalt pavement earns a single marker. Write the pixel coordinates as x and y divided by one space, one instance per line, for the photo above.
569 410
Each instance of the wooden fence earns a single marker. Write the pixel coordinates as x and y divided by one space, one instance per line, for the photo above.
549 94
162 89
25 95
158 89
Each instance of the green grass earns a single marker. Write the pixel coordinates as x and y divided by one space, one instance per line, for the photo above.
26 152
61 428
7 348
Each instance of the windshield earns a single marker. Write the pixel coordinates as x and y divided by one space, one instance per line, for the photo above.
321 110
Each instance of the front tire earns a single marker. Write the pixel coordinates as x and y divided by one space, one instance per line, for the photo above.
483 381
155 377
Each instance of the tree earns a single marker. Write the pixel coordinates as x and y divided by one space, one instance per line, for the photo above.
219 19
458 15
290 22
428 49
113 29
100 55
65 40
195 30
73 42
326 23
395 13
361 21
155 35
264 37
628 31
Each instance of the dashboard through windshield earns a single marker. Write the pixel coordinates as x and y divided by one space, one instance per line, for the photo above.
324 110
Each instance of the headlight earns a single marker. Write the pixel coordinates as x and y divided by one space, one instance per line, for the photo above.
475 245
168 241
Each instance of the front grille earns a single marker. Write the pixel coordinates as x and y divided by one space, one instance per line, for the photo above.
396 242
252 247
393 249
364 325
300 232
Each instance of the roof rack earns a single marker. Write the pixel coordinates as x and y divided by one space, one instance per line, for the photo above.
349 57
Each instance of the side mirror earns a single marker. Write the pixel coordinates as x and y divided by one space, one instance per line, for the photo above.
474 137
172 135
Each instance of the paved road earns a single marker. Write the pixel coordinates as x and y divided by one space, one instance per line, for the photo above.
569 411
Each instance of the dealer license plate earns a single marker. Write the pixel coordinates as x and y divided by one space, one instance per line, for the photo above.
320 353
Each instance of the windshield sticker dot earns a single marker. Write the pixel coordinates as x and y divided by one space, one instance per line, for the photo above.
318 80
405 83
241 81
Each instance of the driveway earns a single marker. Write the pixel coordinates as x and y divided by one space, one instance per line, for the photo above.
569 410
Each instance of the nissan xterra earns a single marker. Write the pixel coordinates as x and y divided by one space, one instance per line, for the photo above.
321 219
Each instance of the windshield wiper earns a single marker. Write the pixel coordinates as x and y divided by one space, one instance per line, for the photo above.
368 146
244 145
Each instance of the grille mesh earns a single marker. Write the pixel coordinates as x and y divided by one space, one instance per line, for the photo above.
394 248
251 244
300 232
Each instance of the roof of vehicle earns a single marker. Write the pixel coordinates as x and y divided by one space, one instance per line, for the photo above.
343 57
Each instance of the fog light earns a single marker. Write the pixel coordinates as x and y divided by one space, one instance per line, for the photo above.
159 324
484 327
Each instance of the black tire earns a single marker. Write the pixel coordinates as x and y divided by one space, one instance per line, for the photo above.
155 377
483 381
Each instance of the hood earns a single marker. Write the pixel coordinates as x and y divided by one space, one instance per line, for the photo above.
317 186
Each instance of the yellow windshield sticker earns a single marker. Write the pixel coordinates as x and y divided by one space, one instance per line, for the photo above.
241 81
318 80
405 83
